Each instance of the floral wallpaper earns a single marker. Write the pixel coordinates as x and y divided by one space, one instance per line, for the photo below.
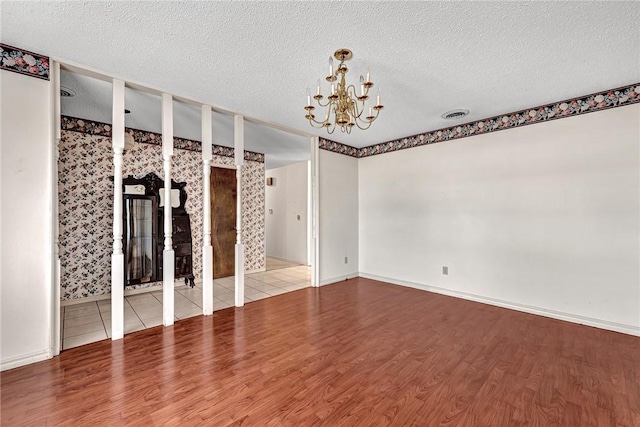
85 192
92 127
24 62
586 104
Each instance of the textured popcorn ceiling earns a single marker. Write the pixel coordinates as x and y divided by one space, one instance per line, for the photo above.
258 58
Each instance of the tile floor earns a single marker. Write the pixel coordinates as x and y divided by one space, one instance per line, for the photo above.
91 321
277 264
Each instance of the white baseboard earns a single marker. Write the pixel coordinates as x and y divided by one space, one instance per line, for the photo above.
567 317
338 279
25 359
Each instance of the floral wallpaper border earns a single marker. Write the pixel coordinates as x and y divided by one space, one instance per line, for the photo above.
92 127
24 62
338 147
598 101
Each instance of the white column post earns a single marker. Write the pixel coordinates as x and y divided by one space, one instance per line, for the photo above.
238 147
207 249
117 258
315 246
55 220
168 255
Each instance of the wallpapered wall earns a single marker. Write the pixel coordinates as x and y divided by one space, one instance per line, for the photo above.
85 192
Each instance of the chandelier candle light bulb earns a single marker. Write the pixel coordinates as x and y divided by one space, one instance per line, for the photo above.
345 108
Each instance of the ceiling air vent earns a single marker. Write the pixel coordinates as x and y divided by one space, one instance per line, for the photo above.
455 114
66 92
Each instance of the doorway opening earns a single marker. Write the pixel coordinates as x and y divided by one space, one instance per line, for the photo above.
287 219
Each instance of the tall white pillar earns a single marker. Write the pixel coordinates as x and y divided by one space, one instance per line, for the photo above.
315 248
55 220
238 147
168 255
207 249
117 258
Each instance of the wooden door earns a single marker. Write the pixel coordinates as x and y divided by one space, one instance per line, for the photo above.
223 221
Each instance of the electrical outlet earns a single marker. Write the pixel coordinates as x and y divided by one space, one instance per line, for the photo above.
445 270
346 260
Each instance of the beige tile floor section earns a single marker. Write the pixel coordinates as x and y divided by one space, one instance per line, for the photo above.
277 264
90 322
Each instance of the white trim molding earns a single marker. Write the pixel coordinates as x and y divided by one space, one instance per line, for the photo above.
25 359
337 279
553 314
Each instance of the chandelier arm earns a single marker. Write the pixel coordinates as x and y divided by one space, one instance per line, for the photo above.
368 122
326 118
318 122
353 94
358 111
353 111
366 127
314 126
324 105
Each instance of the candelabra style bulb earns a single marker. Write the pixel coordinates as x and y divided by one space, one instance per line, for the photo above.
318 93
308 96
378 98
330 66
361 85
368 76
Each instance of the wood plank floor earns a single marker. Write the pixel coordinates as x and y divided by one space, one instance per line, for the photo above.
359 352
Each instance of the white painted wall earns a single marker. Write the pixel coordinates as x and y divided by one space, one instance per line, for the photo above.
338 223
286 224
25 220
543 218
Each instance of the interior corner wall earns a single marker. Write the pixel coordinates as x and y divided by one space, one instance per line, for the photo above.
541 218
26 226
286 213
338 211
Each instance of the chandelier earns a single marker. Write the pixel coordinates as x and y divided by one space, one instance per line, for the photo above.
345 107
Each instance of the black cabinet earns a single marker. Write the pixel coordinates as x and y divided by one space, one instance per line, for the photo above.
182 245
144 230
